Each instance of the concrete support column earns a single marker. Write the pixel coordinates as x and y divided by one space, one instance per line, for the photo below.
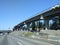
33 26
38 26
28 26
22 27
59 20
46 24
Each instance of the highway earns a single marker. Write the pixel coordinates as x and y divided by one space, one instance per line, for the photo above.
15 40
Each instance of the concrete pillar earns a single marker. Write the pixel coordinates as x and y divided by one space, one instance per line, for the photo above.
28 26
59 20
46 24
33 26
21 27
38 26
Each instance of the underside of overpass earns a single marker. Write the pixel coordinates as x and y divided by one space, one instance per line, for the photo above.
52 14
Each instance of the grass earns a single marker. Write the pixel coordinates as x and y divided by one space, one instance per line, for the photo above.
28 33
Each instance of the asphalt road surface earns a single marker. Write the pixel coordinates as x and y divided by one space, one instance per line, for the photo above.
12 40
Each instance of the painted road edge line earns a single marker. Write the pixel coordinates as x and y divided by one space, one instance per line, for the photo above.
19 43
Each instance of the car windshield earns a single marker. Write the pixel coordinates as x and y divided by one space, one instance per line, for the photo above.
29 22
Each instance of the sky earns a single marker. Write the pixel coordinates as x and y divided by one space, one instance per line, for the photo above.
13 12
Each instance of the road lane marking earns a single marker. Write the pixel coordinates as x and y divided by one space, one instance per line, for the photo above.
17 39
19 43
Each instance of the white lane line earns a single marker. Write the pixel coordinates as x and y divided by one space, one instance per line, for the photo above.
51 40
19 43
17 39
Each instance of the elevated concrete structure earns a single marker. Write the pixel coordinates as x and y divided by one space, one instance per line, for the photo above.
51 14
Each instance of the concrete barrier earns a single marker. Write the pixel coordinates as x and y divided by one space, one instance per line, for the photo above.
51 32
